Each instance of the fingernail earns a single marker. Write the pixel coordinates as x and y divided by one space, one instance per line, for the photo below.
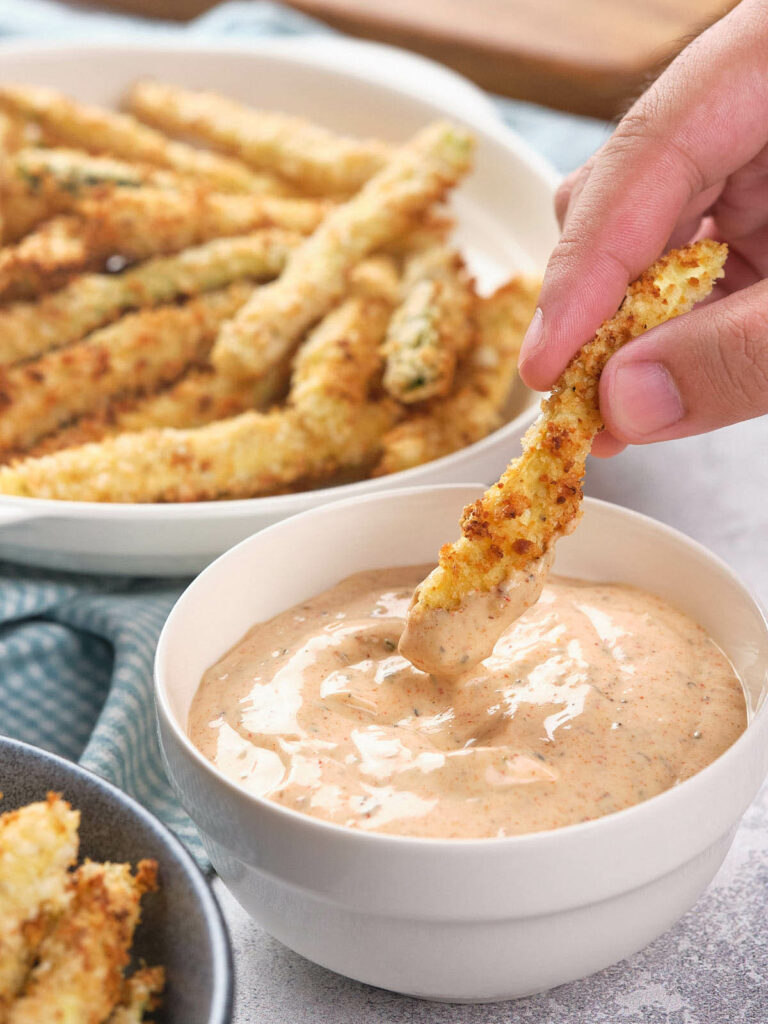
644 400
534 337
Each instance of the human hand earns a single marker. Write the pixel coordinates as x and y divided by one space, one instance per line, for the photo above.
689 160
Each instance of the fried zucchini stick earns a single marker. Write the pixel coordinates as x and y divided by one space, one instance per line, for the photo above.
498 566
42 260
141 993
103 131
319 161
203 396
39 183
332 375
268 327
29 329
8 141
79 975
146 221
38 844
485 378
431 328
319 433
139 224
136 354
200 397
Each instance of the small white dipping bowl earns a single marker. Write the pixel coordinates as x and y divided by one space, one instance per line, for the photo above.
460 919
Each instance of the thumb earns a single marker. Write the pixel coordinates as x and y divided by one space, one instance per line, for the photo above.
693 374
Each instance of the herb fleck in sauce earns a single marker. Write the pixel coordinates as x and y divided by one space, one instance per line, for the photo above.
598 697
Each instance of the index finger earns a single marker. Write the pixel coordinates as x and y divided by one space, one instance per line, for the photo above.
702 119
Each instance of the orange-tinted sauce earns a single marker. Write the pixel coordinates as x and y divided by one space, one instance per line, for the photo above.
597 697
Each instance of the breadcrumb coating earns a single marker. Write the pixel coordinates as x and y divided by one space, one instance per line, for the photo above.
42 260
251 454
333 371
27 329
484 381
538 498
38 845
431 328
105 132
136 354
78 978
139 224
318 160
201 396
141 993
37 183
268 327
330 424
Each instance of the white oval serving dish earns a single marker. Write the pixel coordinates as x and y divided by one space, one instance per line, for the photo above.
463 920
506 223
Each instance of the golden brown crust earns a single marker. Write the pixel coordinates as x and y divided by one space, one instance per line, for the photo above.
268 327
538 498
329 424
431 329
484 379
27 329
317 160
38 845
136 354
79 973
103 131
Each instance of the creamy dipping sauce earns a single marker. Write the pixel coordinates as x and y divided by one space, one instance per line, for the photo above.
450 643
596 698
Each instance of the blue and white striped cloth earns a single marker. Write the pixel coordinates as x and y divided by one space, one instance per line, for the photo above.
76 651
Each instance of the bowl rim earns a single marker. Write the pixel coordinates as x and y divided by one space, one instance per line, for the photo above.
635 812
494 131
222 991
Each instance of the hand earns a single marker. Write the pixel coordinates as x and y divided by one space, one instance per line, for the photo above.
689 160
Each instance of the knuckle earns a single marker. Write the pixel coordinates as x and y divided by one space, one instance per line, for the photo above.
646 132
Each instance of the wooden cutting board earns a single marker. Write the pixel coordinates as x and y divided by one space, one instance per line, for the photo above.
586 56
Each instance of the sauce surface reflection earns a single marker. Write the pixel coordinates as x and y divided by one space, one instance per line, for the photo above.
598 697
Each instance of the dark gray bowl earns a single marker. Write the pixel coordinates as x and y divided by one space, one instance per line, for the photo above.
182 927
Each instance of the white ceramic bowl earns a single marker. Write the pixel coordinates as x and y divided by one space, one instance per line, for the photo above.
506 222
464 920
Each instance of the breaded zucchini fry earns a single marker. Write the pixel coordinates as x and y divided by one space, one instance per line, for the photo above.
73 171
333 371
508 534
319 161
431 328
376 278
329 425
141 992
13 134
136 354
39 183
43 259
103 131
29 329
203 396
38 844
485 378
268 327
200 397
79 976
251 454
139 224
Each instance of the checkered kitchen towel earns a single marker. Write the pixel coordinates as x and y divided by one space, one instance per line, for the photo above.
76 651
